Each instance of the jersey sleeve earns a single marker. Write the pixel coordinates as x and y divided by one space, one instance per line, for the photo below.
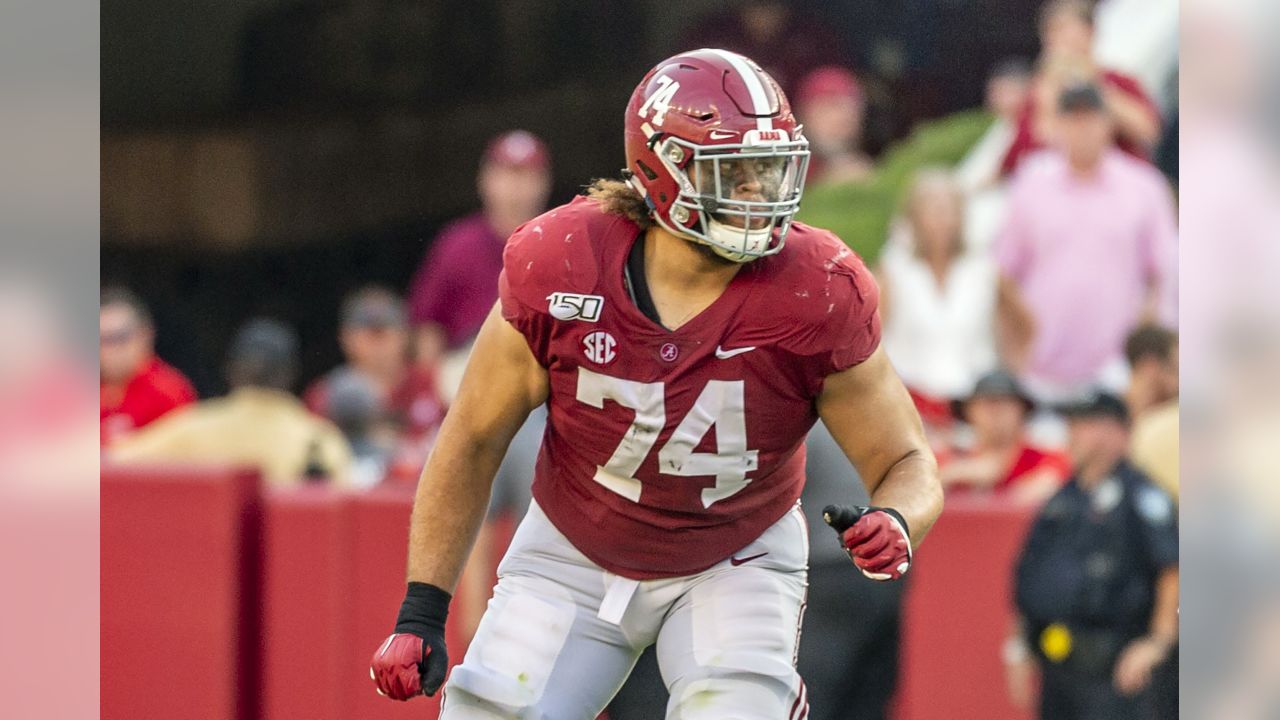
533 324
859 333
551 253
828 319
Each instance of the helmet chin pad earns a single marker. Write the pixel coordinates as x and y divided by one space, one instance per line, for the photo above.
738 244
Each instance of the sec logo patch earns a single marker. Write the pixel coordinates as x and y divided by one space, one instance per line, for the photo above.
600 347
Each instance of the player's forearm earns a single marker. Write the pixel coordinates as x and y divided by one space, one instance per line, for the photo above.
912 488
452 497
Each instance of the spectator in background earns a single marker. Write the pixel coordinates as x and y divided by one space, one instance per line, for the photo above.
352 403
1000 461
1152 352
1090 242
1066 59
373 331
979 172
259 423
137 387
831 105
1097 581
940 305
457 283
786 43
1007 90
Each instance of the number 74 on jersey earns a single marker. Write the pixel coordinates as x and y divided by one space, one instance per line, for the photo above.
721 404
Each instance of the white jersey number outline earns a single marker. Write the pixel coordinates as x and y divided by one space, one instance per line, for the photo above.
721 403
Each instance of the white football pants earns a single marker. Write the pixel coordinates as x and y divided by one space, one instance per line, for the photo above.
561 634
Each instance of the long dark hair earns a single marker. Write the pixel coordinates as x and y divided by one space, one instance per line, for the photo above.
618 198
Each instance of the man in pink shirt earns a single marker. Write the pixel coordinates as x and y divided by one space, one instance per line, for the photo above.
457 283
1091 244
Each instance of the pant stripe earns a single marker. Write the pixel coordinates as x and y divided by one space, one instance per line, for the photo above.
800 704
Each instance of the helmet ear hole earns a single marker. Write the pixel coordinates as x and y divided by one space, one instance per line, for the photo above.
648 173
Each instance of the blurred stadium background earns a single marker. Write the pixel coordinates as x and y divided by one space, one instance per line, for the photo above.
266 159
298 150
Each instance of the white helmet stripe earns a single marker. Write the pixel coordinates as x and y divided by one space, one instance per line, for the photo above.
759 98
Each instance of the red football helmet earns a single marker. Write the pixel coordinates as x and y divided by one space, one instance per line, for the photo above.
715 151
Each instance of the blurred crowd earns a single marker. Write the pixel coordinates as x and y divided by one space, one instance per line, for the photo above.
1029 303
371 420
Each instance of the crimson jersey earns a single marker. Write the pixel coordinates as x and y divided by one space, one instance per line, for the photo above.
666 451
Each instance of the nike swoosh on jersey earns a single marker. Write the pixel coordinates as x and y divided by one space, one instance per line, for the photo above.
726 354
721 135
738 561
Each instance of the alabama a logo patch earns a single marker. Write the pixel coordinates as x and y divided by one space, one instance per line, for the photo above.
574 306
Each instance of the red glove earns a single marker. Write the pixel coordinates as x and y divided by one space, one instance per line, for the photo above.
876 539
397 667
413 660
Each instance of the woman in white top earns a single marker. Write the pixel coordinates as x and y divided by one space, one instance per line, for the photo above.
945 314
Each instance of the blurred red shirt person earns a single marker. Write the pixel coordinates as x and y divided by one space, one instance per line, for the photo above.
1066 59
374 335
457 282
833 107
137 387
1000 461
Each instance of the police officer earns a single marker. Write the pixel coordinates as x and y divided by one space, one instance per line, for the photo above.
1097 582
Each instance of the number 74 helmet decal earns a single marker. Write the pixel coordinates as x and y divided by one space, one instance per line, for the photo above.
714 149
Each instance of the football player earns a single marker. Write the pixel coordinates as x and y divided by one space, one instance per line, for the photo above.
685 334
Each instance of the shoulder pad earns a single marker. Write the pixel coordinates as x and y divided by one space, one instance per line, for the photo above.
557 252
830 294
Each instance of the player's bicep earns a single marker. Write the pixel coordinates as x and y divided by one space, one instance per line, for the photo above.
870 414
502 384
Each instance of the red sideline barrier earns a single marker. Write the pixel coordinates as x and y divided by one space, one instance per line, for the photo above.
334 579
179 560
180 570
307 569
958 612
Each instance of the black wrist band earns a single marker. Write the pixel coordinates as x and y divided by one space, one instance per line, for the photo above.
424 609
